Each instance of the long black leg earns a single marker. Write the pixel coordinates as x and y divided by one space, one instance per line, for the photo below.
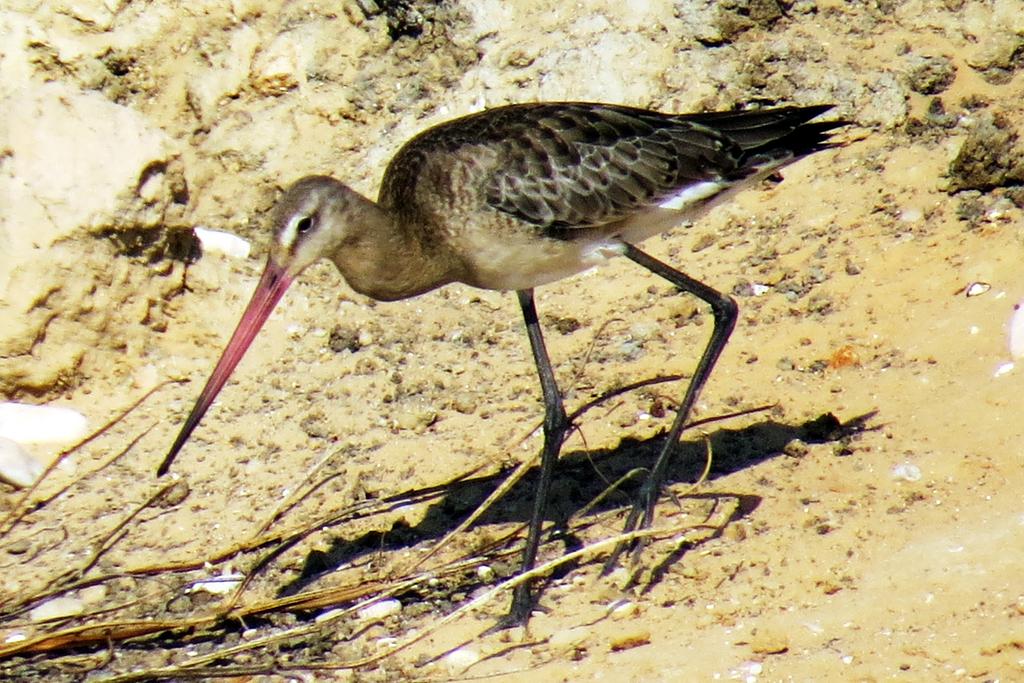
725 312
556 424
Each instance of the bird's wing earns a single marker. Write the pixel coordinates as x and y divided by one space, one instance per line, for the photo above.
567 165
576 166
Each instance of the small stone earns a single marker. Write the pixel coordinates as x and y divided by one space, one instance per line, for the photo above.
568 639
630 639
320 618
380 610
26 423
796 449
220 585
344 339
220 242
906 472
58 608
931 75
465 402
93 595
18 467
769 641
1016 332
703 241
461 659
145 377
977 289
643 331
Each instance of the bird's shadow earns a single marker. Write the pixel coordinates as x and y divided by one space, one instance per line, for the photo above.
582 476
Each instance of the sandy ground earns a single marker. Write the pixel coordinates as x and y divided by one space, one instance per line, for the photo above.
866 525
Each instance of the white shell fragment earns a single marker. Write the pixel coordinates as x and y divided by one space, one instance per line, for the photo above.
329 615
58 608
977 288
459 660
220 242
221 585
380 610
1016 337
1004 369
17 466
26 423
906 472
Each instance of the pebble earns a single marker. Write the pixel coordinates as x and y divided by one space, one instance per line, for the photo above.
627 640
906 472
626 609
326 616
18 467
977 289
220 242
145 377
1003 369
1017 331
769 641
58 608
380 610
461 659
93 595
26 423
568 639
221 585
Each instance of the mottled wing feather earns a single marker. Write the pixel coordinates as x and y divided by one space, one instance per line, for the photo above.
568 165
583 166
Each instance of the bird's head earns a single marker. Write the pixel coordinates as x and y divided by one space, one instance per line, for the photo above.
310 223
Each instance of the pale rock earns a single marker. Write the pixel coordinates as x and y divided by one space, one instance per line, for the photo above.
93 595
145 377
461 659
57 608
282 66
1016 332
769 641
26 423
568 639
220 242
17 466
380 610
73 166
224 584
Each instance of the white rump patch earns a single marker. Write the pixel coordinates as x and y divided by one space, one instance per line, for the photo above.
693 194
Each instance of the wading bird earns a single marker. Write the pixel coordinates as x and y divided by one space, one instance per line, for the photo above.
519 196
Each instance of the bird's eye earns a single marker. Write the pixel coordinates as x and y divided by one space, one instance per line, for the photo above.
304 224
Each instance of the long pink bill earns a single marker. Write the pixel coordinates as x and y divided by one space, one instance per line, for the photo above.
269 291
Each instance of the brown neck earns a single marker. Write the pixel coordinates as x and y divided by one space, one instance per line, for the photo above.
388 260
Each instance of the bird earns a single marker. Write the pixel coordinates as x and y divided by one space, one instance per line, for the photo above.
519 196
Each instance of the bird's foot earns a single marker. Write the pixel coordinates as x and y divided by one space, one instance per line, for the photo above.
523 606
640 517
